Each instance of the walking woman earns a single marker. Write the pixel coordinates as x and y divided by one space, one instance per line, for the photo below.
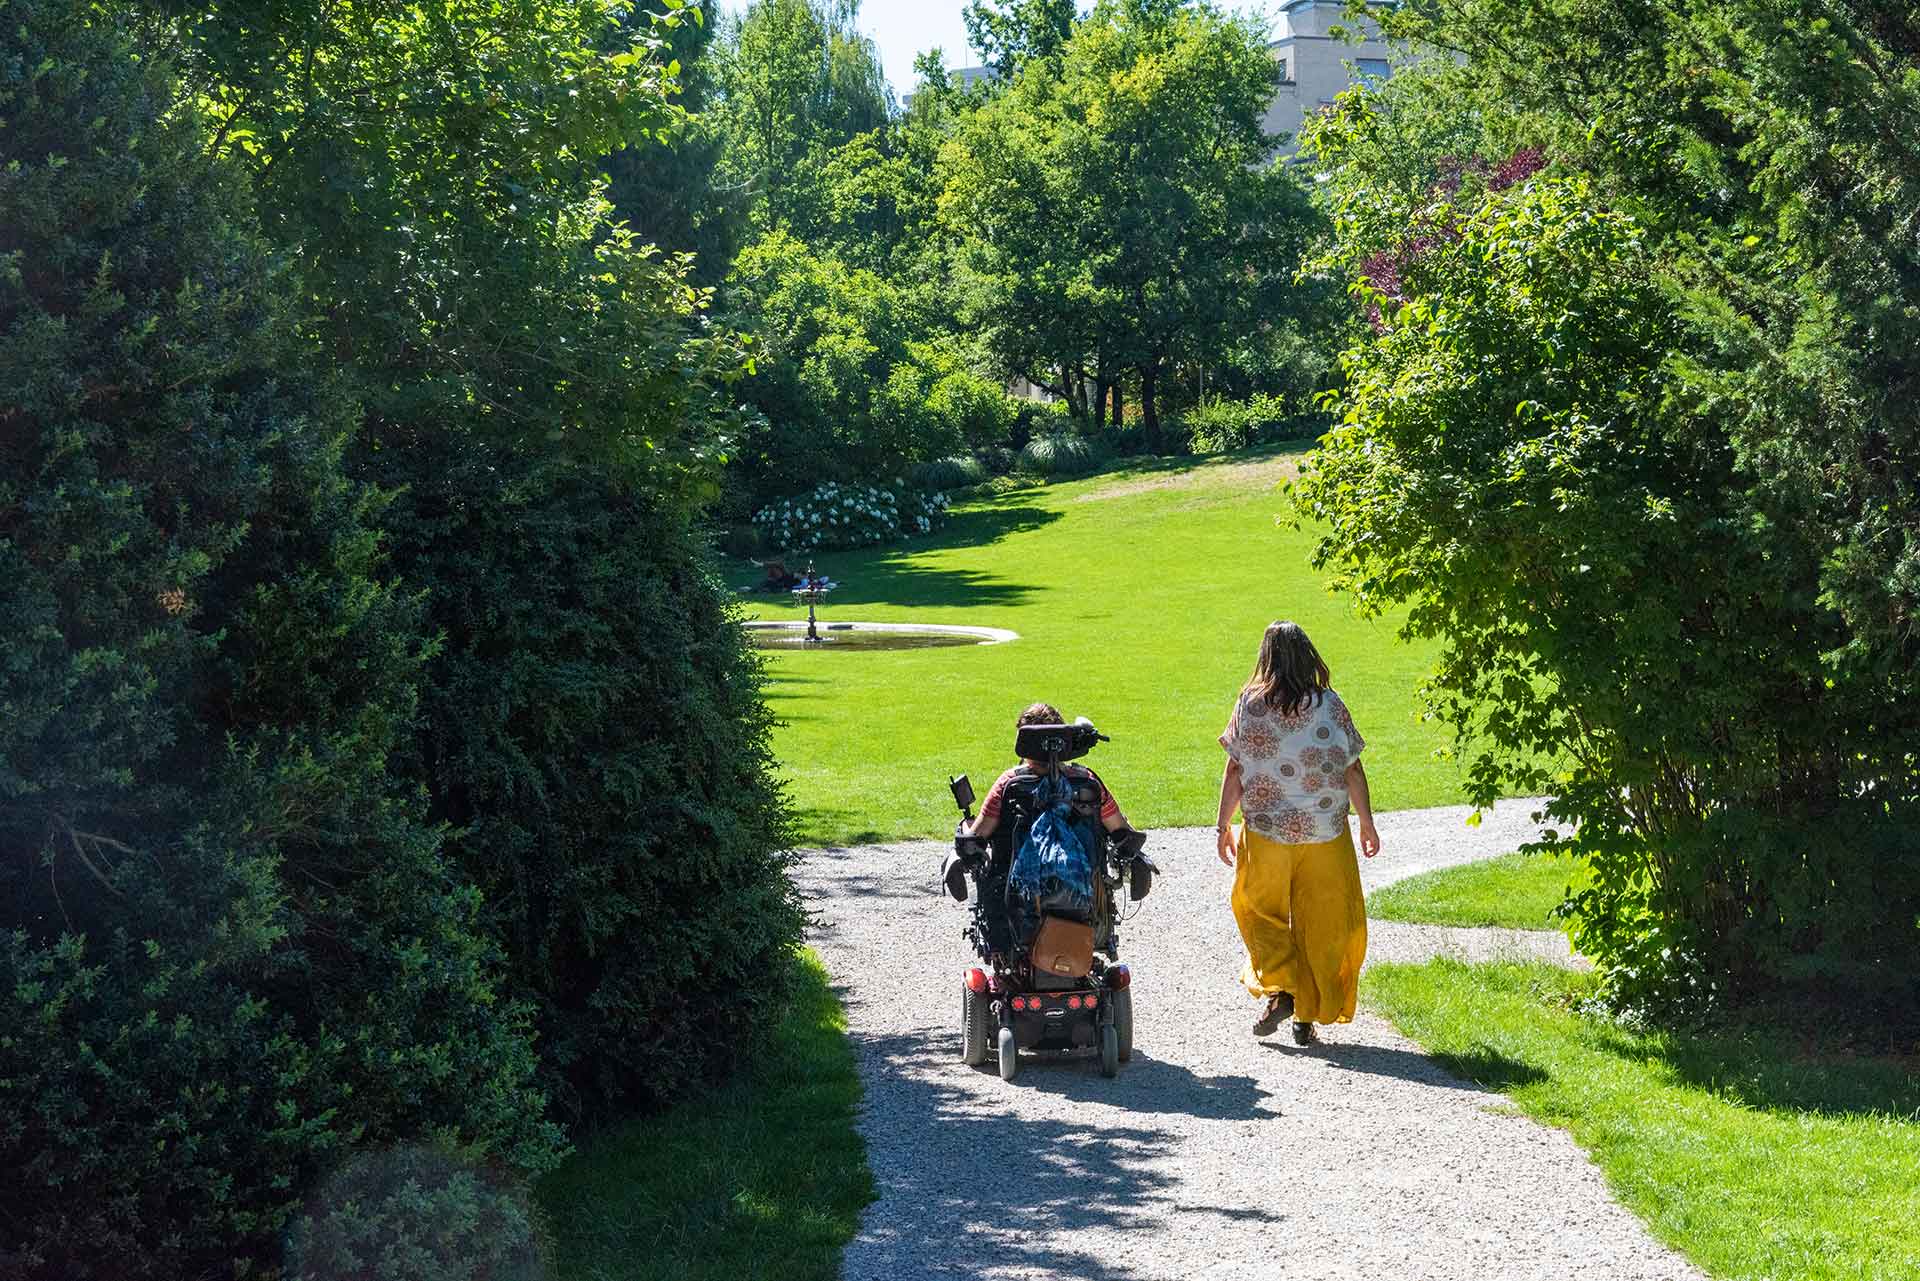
1293 768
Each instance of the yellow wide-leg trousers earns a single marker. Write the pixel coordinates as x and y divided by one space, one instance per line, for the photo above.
1304 921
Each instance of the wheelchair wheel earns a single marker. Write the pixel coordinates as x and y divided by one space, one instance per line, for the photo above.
976 1026
1009 1055
1123 1022
1109 1052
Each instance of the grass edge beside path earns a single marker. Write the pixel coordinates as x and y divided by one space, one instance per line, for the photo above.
1512 891
762 1179
1751 1159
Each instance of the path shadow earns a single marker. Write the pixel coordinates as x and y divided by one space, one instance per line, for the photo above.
1008 1191
1146 1086
1481 1066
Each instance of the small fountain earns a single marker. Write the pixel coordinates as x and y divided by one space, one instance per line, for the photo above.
813 587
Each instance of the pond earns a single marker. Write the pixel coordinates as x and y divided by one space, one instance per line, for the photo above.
858 637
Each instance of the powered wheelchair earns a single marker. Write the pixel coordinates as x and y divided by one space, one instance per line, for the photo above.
1050 978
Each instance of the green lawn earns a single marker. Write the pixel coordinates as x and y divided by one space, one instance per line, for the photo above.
1756 1159
762 1180
1514 890
1140 597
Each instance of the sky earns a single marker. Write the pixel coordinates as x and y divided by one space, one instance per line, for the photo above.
905 28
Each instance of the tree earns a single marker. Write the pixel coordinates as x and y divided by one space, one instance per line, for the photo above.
527 367
1008 32
232 946
1122 211
799 81
669 190
1626 433
852 381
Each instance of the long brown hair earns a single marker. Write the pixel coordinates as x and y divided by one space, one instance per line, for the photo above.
1289 674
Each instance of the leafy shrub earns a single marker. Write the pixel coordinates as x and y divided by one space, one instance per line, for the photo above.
1060 454
230 947
1220 426
1634 615
836 516
1039 418
942 474
961 405
414 1214
594 731
1013 483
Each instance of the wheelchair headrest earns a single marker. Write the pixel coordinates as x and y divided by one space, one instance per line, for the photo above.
1055 743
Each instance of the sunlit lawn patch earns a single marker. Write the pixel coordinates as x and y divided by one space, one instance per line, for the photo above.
1139 595
1514 890
1755 1158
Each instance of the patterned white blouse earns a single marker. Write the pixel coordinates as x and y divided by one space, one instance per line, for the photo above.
1293 766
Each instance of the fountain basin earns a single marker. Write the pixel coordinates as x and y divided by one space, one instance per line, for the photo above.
874 636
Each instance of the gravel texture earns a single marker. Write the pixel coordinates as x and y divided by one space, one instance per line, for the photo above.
1213 1155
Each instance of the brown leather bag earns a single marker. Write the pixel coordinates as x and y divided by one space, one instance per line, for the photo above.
1062 947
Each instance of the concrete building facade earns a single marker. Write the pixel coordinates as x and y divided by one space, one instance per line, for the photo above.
1315 65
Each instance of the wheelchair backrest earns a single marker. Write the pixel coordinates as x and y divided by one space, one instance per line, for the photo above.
1020 804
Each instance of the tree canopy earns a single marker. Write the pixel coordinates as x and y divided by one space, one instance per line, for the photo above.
1627 431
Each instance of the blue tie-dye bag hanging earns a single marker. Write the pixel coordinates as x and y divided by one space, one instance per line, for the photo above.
1052 867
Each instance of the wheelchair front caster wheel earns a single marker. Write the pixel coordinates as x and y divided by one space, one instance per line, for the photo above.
1109 1052
1009 1055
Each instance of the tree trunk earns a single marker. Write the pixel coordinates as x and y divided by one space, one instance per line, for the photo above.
1076 394
1099 401
1119 404
1150 412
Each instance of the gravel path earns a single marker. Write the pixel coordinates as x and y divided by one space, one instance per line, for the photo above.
1213 1155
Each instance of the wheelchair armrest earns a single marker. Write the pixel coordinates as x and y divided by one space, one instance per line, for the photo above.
971 850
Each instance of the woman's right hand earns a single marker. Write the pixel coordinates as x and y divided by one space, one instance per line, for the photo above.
1223 845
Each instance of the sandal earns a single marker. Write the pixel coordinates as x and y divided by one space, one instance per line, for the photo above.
1279 1005
1303 1033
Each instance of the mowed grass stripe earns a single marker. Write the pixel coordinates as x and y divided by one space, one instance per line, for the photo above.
1140 597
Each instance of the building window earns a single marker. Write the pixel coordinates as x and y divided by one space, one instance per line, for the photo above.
1285 75
1373 68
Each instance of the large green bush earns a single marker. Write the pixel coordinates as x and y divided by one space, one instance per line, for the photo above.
416 1214
1626 432
548 401
594 729
1219 426
230 950
1060 454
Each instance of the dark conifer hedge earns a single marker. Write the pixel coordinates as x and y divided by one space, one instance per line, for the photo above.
231 950
594 731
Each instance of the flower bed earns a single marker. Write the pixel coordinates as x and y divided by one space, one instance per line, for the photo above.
836 516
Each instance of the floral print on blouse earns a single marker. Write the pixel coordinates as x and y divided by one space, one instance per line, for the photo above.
1293 766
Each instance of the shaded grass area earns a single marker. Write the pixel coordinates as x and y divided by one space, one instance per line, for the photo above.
763 1178
1744 1150
1140 596
1518 891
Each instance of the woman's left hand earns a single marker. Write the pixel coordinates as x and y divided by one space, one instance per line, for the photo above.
1369 838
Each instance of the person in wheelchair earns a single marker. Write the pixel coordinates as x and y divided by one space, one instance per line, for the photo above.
1044 868
1025 772
1011 810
